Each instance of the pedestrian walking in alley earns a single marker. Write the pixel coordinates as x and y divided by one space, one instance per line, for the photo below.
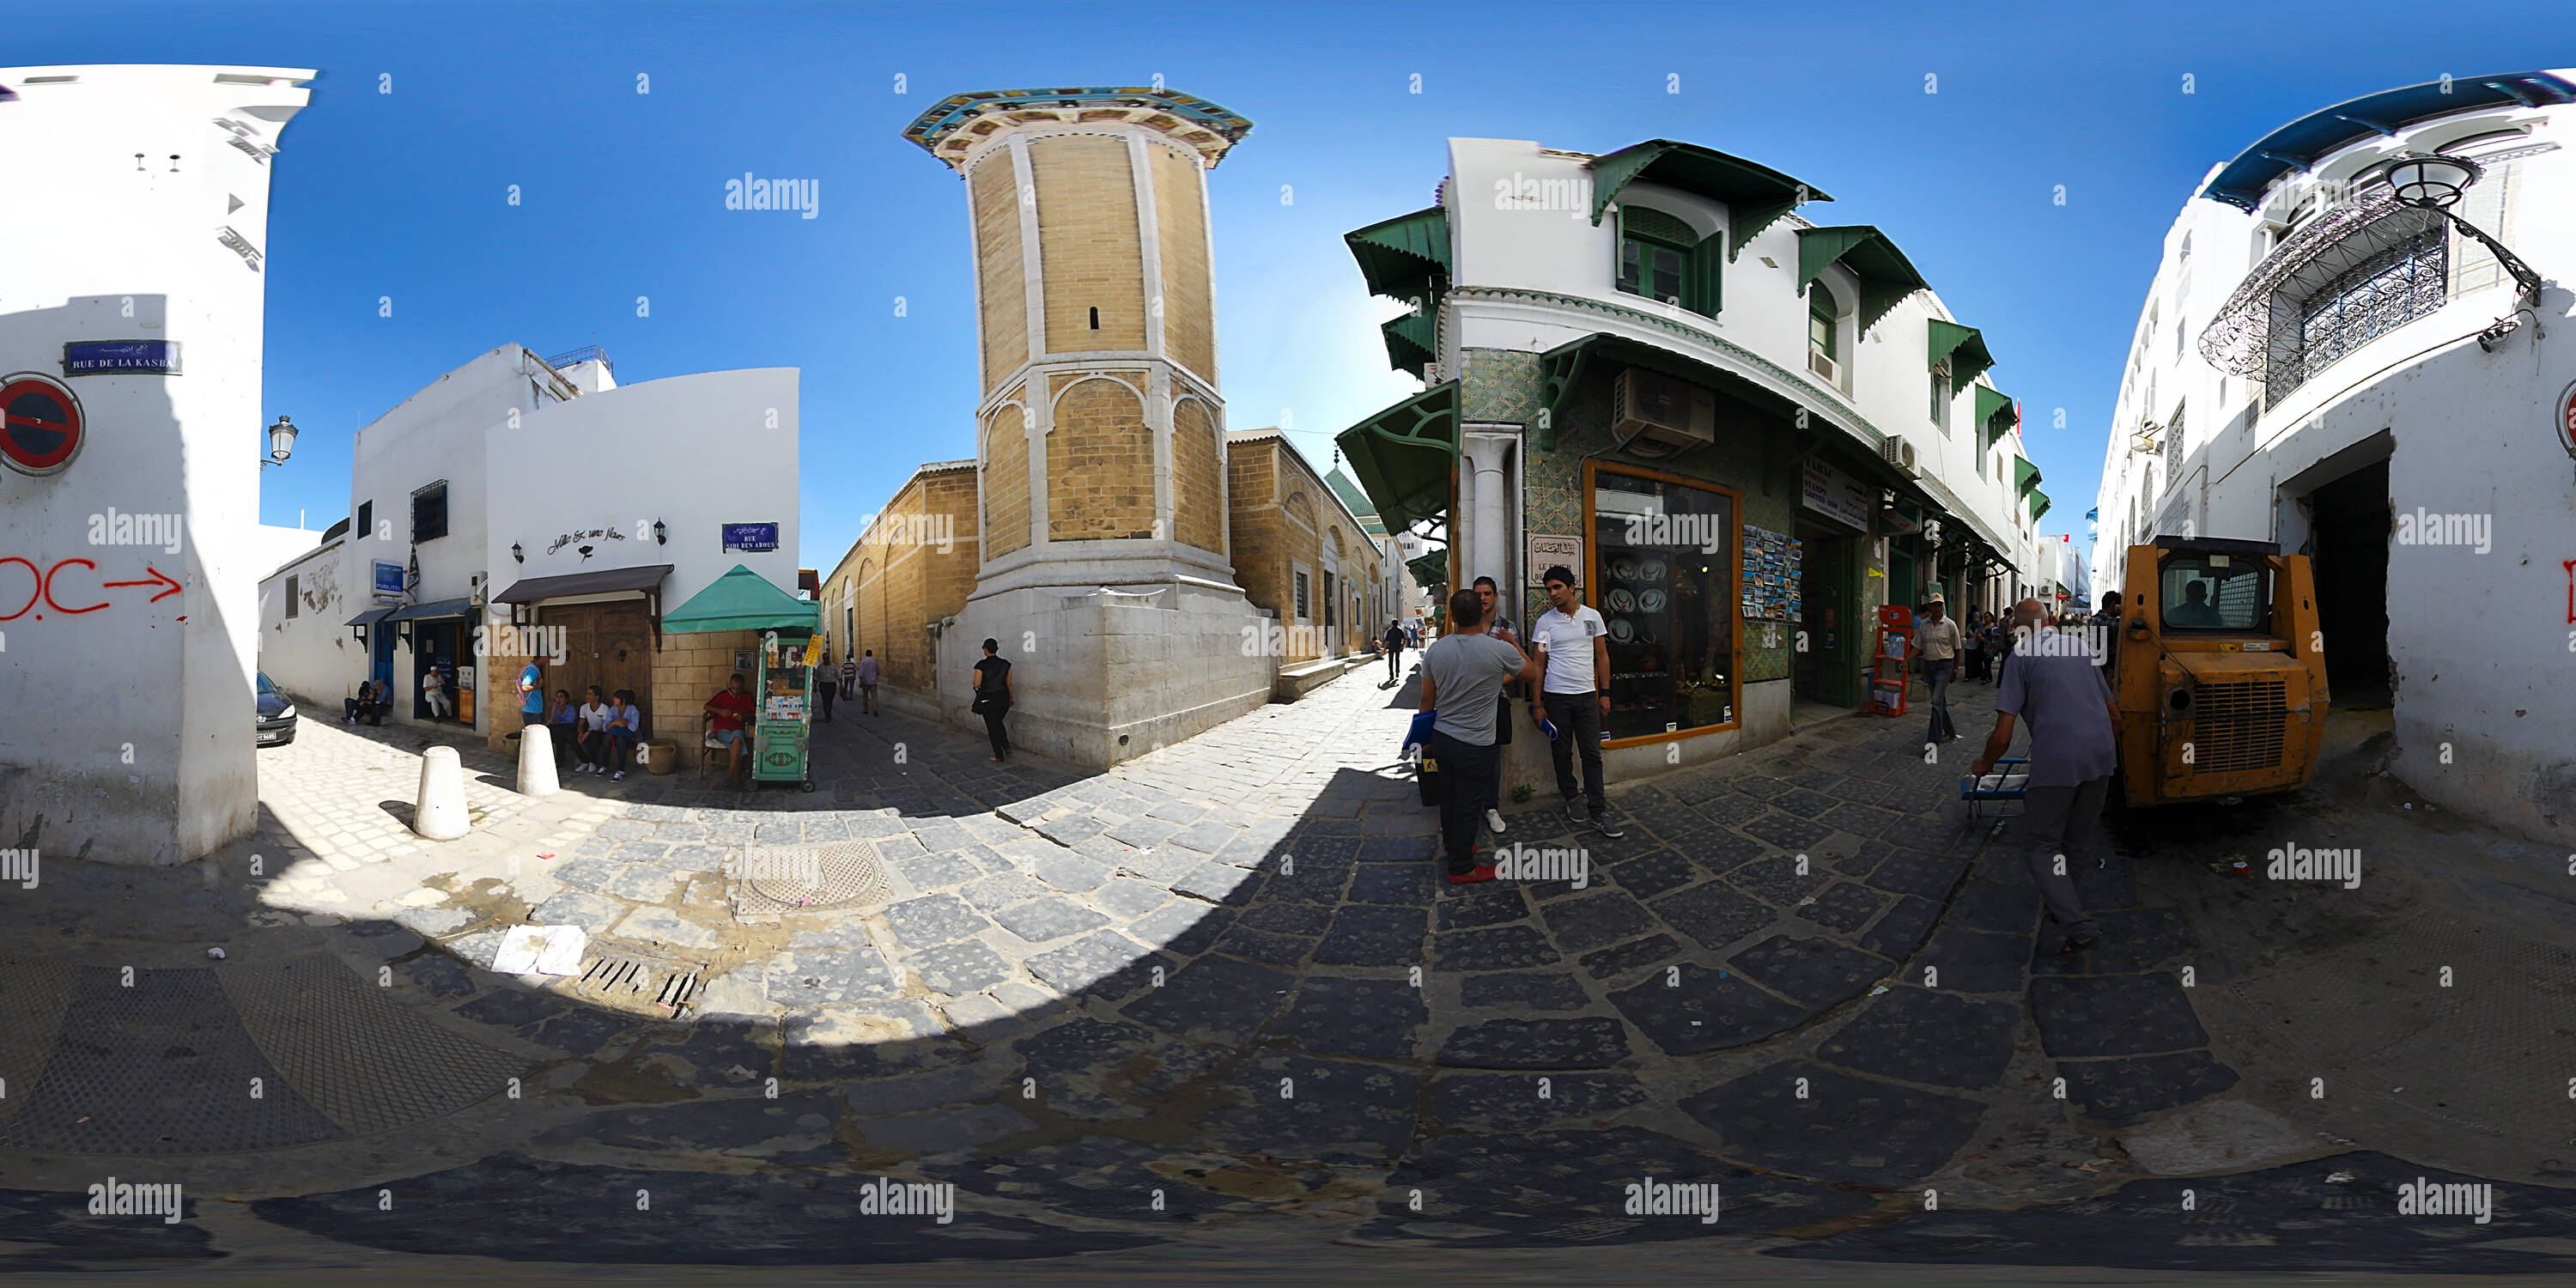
824 692
1972 648
993 697
1999 642
1462 683
1499 625
2105 628
1394 642
726 712
867 674
2055 687
1573 645
1937 639
849 677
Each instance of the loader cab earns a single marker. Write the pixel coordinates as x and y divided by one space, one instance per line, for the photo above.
2220 671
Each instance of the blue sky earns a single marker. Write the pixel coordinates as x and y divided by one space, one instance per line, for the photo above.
403 194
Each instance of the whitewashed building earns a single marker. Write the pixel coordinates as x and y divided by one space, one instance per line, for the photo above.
1744 427
516 493
133 257
2364 381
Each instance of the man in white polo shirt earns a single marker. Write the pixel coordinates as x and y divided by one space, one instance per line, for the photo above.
1574 646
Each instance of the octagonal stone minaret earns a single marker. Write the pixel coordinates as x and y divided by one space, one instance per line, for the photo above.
1100 433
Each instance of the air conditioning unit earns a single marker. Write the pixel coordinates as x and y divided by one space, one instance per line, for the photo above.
1821 365
1899 453
1655 415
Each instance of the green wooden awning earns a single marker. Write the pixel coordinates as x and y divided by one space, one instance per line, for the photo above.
1406 257
2025 475
1412 339
1756 195
743 600
1430 571
1886 276
1963 349
1994 416
1407 456
2038 504
1562 367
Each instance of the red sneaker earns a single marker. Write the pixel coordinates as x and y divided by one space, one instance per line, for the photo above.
1481 872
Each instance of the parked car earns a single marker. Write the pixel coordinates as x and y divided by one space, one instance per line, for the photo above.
276 713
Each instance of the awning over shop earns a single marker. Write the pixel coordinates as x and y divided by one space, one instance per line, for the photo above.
371 616
1886 276
2038 504
1406 257
1994 417
601 581
1964 349
434 608
1562 367
1406 456
743 600
1755 195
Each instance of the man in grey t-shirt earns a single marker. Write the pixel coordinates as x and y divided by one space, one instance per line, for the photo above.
2054 685
1462 681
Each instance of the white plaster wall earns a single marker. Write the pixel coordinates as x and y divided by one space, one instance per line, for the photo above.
129 737
311 655
696 452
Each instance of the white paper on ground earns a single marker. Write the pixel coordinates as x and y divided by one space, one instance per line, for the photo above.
542 950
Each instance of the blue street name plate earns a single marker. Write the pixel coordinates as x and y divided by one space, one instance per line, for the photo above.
121 358
751 536
389 578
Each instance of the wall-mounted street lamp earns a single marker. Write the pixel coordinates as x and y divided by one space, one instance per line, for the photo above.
281 441
2436 183
661 537
518 553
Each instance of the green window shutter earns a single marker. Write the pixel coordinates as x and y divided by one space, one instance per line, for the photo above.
1704 288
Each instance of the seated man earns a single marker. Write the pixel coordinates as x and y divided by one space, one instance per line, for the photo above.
625 729
2195 610
365 704
727 711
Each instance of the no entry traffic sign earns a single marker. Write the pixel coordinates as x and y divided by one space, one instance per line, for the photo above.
41 428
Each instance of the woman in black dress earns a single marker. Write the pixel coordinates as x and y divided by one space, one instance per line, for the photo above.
993 697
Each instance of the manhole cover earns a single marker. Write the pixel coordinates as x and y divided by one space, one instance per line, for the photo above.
649 985
798 878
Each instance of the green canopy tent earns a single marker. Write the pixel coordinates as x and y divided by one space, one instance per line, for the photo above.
783 688
743 600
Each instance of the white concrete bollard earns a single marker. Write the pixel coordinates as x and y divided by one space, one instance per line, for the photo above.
440 816
537 761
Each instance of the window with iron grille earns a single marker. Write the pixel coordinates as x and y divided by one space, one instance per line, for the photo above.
429 512
1301 596
2174 444
2390 289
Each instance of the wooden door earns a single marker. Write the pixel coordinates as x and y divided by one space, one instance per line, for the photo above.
609 645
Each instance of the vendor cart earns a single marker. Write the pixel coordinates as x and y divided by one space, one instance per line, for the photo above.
783 685
784 728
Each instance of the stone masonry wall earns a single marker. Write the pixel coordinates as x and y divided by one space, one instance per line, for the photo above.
1089 245
1198 506
1002 298
1100 462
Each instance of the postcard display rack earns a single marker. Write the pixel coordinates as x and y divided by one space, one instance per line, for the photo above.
1887 662
1771 583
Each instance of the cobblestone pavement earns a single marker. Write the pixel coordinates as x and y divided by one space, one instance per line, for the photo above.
1219 983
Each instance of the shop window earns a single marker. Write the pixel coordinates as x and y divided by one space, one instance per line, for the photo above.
1663 575
429 512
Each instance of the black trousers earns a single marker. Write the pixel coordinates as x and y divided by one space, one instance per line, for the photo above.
1577 717
993 729
1394 665
825 693
1468 775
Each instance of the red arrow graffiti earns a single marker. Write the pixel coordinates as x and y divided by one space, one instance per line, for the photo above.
159 578
45 586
